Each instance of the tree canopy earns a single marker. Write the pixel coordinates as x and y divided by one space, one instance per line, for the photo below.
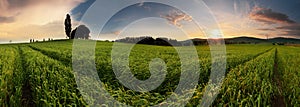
81 32
68 26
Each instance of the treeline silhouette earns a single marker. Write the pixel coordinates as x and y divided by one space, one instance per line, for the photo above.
150 41
36 40
161 41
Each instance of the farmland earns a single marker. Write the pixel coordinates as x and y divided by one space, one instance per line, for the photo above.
40 74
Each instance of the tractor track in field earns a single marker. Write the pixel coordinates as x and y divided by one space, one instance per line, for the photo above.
254 57
278 99
66 62
27 98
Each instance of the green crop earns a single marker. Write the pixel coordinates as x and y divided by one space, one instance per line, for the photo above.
40 74
289 70
10 76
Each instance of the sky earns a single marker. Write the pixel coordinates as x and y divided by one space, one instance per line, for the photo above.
22 20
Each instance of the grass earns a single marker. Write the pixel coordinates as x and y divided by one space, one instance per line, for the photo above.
46 68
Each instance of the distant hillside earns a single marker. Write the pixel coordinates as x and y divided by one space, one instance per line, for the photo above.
244 40
258 40
284 40
198 41
250 40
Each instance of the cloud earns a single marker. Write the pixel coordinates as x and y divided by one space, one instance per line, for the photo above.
6 19
175 17
77 16
293 33
290 30
36 10
290 27
285 26
147 8
24 19
266 29
269 16
141 3
117 32
12 7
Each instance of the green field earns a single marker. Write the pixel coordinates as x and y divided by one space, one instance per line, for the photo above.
40 74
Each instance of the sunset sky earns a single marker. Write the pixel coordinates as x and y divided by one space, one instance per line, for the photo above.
21 20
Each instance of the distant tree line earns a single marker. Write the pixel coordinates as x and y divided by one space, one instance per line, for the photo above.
150 41
241 42
197 42
80 32
44 40
162 41
169 42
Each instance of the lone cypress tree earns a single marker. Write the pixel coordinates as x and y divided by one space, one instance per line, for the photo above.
68 26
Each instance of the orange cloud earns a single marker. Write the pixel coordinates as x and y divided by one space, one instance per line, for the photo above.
269 16
117 32
175 17
24 19
292 30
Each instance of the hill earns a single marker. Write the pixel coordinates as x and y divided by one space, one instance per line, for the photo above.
200 41
244 40
249 40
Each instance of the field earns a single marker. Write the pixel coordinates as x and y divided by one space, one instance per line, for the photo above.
40 74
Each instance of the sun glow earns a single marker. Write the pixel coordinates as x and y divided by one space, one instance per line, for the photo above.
215 34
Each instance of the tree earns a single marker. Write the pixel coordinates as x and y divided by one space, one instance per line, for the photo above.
81 32
146 40
68 26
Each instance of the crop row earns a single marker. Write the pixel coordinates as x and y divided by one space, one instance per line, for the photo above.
249 84
11 77
139 65
288 67
235 54
51 82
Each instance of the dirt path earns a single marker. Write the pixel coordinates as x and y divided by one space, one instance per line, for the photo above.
27 99
278 100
